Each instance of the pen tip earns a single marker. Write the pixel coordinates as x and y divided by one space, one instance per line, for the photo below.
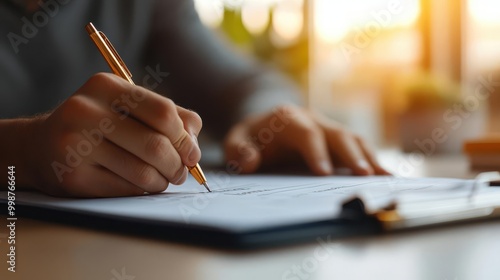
206 187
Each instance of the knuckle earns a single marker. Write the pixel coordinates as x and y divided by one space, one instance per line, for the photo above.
156 145
145 176
105 84
195 119
167 111
308 131
286 109
75 107
339 133
357 138
349 136
99 79
181 142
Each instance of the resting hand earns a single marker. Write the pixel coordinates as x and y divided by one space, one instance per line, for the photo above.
289 134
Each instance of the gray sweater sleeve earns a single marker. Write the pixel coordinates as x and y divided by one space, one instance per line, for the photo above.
206 75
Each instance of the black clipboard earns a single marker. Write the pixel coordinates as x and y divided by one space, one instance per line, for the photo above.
356 217
355 220
349 224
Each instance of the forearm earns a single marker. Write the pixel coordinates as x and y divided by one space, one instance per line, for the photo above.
206 75
265 92
18 149
258 94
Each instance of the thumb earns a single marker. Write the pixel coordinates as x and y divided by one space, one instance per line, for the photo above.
192 125
191 120
240 151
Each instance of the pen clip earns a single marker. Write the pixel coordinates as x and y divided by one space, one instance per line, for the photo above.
115 53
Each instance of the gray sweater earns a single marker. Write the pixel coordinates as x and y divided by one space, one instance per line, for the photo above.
46 55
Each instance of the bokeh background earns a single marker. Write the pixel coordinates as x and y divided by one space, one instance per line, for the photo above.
392 71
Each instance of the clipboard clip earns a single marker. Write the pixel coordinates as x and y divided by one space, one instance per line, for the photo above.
395 215
391 218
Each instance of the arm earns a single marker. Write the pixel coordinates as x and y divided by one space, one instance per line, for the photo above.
207 75
16 149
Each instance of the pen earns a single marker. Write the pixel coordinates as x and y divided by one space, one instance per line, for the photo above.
120 69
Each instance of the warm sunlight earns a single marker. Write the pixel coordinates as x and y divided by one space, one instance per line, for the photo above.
288 19
211 12
485 11
335 19
255 16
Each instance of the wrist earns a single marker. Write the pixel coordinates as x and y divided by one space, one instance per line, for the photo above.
18 148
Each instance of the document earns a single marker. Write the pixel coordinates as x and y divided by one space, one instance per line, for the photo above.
248 202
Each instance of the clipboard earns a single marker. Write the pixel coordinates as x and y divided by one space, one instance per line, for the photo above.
357 216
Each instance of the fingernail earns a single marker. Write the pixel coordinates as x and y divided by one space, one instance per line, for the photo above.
193 154
364 165
326 166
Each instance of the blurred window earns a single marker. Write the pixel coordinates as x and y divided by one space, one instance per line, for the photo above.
358 48
349 56
483 35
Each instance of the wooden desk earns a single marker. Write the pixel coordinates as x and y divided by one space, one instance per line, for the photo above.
54 251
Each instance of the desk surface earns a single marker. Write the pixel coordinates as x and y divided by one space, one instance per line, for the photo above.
54 251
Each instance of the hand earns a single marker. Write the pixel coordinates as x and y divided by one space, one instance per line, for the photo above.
112 138
289 134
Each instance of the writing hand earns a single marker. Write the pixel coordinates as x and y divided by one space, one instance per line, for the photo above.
112 138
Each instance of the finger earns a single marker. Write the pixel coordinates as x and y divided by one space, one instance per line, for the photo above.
95 181
129 167
150 146
154 110
371 158
240 152
192 124
161 114
310 142
191 120
345 147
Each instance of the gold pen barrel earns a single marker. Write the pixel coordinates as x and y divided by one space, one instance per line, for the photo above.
109 53
197 174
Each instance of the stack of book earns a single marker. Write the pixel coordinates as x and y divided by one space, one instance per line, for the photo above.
484 154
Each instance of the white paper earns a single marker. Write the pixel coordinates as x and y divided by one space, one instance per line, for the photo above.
240 203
